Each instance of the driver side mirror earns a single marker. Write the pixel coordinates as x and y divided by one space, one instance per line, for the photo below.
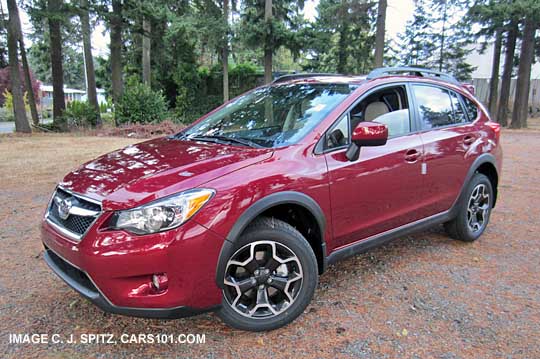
366 134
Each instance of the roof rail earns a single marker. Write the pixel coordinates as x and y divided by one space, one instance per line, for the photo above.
301 76
417 71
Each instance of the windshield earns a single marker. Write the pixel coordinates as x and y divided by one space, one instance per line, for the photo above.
271 116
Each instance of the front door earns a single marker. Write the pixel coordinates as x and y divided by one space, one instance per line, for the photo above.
382 190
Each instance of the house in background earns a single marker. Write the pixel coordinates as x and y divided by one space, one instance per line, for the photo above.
70 94
482 74
101 97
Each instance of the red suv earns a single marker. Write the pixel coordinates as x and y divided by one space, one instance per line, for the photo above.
244 209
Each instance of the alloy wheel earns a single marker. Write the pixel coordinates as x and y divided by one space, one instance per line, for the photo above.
262 279
478 208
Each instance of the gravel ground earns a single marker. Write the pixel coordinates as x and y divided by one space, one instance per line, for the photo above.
423 296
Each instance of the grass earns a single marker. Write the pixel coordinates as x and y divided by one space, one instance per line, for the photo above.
31 160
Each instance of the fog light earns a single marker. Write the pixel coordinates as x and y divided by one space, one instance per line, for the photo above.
160 282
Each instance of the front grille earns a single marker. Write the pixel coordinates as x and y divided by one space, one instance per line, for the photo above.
76 224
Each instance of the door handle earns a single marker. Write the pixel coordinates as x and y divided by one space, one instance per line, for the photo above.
412 155
468 140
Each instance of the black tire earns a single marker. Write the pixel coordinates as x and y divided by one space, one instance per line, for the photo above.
286 237
460 228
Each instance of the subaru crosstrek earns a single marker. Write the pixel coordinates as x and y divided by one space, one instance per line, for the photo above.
241 211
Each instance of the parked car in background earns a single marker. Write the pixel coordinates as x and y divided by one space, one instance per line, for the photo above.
243 210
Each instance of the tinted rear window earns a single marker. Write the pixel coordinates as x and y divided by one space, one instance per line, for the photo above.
472 109
434 106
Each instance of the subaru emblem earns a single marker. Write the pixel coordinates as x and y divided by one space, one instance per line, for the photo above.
63 206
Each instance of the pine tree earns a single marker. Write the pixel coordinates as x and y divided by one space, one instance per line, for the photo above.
417 43
341 39
54 8
523 84
268 25
379 36
115 26
91 91
21 121
438 37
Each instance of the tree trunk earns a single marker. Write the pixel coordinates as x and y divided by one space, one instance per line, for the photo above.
502 112
379 36
147 31
116 50
342 51
521 103
91 92
443 36
59 104
21 122
225 52
26 68
267 47
494 81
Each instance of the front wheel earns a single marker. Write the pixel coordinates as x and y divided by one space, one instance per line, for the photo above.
473 213
270 279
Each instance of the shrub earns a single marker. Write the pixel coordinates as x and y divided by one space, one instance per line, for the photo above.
107 118
80 114
243 70
198 108
141 131
103 107
6 114
140 104
8 101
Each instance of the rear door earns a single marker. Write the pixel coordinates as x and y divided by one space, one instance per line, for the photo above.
449 140
381 190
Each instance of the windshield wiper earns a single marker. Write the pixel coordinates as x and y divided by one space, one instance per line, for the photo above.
225 139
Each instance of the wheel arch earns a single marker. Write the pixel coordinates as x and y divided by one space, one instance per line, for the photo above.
269 205
485 164
490 171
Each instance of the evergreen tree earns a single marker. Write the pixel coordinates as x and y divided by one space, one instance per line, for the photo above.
115 21
417 43
438 37
380 34
269 30
54 9
341 39
39 52
91 92
21 121
531 21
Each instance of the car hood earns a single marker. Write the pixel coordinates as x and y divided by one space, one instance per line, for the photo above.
153 169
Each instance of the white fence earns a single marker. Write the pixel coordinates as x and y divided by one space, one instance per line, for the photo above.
482 93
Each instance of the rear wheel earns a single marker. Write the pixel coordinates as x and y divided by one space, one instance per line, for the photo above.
473 213
270 278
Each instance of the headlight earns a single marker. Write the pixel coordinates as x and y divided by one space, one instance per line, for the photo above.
163 214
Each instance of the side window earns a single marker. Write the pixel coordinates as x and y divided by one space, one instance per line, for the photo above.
460 116
388 106
398 122
339 134
472 109
434 106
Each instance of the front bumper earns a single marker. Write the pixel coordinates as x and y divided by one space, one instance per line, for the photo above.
113 269
79 281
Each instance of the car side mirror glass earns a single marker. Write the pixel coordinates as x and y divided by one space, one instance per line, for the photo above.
366 134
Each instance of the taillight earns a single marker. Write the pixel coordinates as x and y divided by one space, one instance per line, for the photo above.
496 127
